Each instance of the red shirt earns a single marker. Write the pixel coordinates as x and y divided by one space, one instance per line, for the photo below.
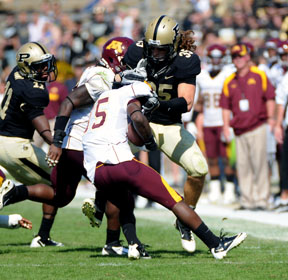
256 88
57 93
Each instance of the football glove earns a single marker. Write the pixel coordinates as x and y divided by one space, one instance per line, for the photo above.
150 105
134 75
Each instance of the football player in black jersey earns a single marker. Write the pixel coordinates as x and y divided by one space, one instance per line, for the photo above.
172 67
21 112
69 170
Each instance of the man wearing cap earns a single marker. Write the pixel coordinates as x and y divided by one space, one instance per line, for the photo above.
249 96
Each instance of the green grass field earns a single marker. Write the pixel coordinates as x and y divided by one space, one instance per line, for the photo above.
256 258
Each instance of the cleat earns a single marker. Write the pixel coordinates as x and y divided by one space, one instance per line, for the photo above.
187 238
137 251
5 191
37 242
90 210
226 244
114 249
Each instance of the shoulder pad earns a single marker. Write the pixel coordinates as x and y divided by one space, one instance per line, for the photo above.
95 74
133 54
187 64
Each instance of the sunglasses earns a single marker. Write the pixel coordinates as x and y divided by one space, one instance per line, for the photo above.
234 56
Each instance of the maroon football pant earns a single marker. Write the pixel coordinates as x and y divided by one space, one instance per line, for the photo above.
116 180
213 145
66 176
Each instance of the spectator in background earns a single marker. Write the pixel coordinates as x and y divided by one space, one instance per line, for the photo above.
101 24
209 83
12 44
279 69
249 95
36 26
78 65
5 68
271 56
22 27
281 135
51 36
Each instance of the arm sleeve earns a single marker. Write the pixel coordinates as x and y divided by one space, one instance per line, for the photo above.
34 103
4 221
224 101
188 68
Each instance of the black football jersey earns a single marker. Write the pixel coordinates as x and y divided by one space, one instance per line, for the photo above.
182 69
23 101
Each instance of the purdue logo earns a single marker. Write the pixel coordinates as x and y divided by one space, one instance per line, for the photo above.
23 56
176 32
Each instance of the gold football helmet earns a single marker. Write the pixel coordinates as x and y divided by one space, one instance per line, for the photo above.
161 33
36 63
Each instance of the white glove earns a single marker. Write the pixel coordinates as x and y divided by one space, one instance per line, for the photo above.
13 221
141 68
134 75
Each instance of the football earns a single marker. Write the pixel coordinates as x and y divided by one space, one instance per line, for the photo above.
2 177
133 136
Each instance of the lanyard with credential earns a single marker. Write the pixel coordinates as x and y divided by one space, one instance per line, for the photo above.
243 102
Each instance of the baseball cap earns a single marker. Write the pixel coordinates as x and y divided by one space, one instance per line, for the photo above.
239 50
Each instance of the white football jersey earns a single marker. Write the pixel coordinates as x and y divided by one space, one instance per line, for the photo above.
282 96
210 90
97 79
276 74
105 139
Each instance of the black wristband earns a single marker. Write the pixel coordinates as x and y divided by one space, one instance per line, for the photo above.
137 110
150 144
44 131
61 122
176 105
58 137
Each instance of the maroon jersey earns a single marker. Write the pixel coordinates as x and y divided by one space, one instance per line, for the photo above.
256 89
57 93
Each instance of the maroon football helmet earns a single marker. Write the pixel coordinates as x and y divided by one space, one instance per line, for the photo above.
216 56
272 43
114 51
216 51
283 47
